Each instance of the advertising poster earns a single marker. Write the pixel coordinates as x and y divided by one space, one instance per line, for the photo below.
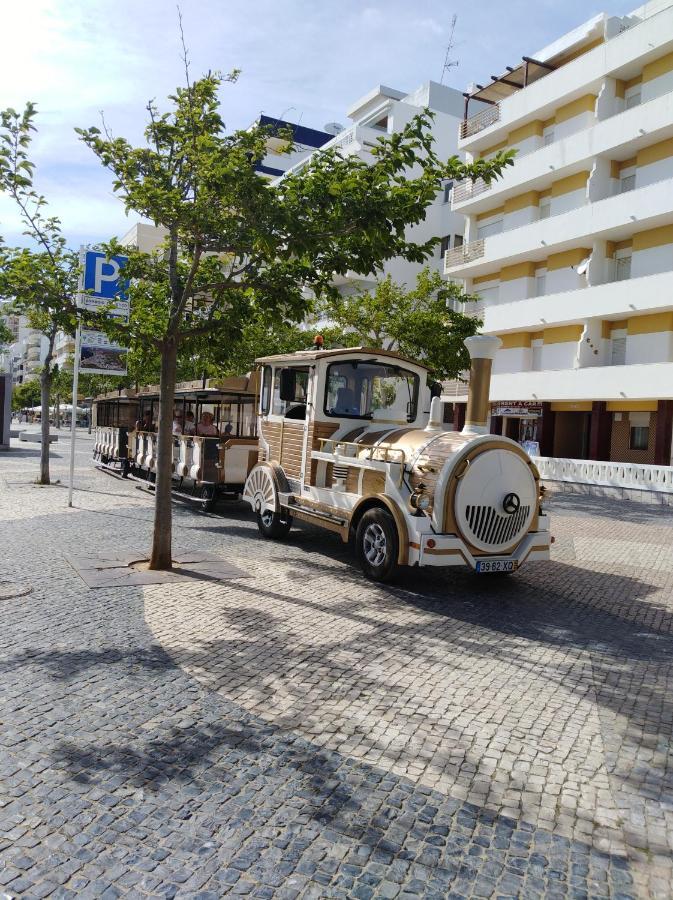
99 356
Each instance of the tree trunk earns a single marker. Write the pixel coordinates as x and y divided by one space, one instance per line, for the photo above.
45 391
161 557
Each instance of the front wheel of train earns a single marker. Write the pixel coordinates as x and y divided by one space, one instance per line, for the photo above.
273 525
377 545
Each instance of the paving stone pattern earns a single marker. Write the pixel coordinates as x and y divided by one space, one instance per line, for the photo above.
303 733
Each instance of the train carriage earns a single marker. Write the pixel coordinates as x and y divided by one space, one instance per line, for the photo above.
113 418
214 441
353 441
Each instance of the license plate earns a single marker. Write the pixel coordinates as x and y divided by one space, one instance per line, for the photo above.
489 566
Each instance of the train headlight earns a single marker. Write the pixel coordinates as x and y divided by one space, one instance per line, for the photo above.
419 500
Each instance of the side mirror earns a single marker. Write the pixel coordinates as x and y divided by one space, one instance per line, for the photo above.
288 384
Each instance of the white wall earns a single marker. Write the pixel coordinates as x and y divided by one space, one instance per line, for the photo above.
656 171
572 126
656 87
652 261
516 289
560 356
565 279
520 217
565 202
514 359
649 348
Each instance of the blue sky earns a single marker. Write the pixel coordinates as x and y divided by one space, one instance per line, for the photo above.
303 60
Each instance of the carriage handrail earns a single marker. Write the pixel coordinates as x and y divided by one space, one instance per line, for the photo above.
358 448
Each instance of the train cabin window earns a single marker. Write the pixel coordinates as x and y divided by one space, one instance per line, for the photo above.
293 386
371 390
266 391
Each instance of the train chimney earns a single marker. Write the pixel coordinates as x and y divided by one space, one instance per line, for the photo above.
482 349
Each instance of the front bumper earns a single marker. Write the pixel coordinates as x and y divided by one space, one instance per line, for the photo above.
450 550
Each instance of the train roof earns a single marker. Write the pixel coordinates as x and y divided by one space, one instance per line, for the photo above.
238 384
303 355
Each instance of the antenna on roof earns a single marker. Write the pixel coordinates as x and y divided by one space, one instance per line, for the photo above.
448 62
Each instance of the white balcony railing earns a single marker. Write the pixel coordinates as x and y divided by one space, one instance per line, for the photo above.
607 474
465 254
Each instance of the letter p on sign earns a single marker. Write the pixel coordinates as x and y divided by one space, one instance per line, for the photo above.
106 270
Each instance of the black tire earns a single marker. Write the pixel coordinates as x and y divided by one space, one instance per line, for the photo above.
207 497
377 545
274 526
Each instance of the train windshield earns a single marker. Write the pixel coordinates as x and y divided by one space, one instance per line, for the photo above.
371 390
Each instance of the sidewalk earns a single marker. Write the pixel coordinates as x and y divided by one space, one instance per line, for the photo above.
302 732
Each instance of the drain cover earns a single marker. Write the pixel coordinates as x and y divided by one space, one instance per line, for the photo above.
10 590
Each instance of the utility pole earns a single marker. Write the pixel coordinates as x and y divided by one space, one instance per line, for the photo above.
448 62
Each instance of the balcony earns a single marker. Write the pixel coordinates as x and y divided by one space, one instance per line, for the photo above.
631 382
463 255
614 218
640 44
615 299
483 119
634 129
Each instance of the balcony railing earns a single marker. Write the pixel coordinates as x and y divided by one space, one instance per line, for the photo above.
481 120
457 387
467 189
465 254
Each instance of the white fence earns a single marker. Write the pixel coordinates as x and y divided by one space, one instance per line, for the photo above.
607 474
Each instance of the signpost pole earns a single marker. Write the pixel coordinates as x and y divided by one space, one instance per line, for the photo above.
73 415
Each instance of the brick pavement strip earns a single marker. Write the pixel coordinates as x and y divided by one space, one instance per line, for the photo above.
304 733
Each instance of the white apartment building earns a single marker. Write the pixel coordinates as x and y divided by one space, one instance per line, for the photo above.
571 251
24 358
384 111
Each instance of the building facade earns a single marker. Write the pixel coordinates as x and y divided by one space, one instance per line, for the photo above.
384 111
571 251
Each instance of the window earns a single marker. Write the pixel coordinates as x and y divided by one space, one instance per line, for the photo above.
627 179
448 188
444 245
632 97
623 268
296 407
536 354
548 135
618 351
457 240
639 437
371 390
266 390
541 283
545 208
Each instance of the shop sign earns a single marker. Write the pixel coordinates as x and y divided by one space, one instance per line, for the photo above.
100 356
517 408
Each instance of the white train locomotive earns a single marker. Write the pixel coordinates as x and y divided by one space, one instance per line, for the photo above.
351 441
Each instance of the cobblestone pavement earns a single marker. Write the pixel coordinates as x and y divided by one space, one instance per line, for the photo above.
301 732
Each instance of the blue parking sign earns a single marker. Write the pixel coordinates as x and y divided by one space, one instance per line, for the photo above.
102 275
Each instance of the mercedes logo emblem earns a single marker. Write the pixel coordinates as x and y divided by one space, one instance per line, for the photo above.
511 503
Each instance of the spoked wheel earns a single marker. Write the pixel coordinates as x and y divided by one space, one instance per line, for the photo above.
377 545
261 493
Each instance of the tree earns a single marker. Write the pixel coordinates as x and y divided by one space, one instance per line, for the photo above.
237 247
41 282
423 323
6 336
26 395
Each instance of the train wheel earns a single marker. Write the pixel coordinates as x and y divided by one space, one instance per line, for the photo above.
377 545
274 525
260 492
207 497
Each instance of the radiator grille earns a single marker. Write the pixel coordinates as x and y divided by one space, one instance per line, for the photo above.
491 528
340 471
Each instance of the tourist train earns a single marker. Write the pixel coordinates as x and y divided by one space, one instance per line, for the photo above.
353 441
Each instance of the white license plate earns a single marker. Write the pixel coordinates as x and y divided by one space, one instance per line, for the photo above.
490 566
